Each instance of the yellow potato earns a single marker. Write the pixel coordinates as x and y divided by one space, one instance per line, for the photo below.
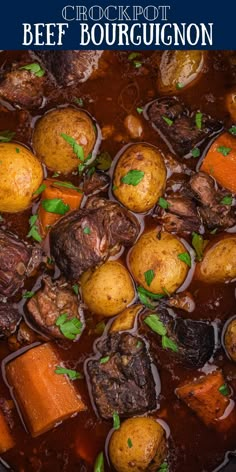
219 262
158 253
231 104
149 161
126 319
179 69
51 147
107 290
230 339
21 175
138 445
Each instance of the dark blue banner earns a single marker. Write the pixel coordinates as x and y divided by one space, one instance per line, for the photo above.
66 24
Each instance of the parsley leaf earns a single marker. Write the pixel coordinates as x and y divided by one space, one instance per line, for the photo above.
35 68
198 245
103 161
40 189
28 294
179 85
69 328
153 321
195 152
227 200
139 110
232 130
154 296
55 205
72 374
33 232
198 120
168 120
133 55
137 64
185 257
163 467
224 150
167 343
116 420
75 289
66 185
87 230
133 177
149 276
79 101
129 442
162 202
104 360
77 148
224 390
6 136
99 463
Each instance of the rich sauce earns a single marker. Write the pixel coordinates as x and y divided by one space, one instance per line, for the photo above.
192 446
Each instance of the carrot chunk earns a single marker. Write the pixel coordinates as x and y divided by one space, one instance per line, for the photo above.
220 161
6 439
44 397
56 189
206 397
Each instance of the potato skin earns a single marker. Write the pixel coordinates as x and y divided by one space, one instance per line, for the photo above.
125 320
108 290
21 175
230 339
144 196
219 261
161 256
49 145
179 67
148 445
231 104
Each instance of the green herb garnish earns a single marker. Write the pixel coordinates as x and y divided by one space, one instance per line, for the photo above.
72 374
179 85
153 321
28 294
227 200
133 177
6 136
139 110
55 205
185 257
99 463
198 120
69 328
77 148
66 185
224 150
104 360
137 64
35 68
33 232
87 230
232 130
56 174
40 189
198 245
79 101
154 296
163 203
116 420
163 467
149 276
195 152
129 442
17 150
224 390
75 289
99 328
167 343
168 120
133 55
103 161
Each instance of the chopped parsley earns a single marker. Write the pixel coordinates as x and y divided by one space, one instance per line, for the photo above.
133 55
153 321
163 467
167 120
99 463
232 130
137 64
69 328
198 245
114 187
103 161
35 69
77 148
167 343
185 257
33 232
129 443
149 276
223 150
224 390
40 189
227 200
133 177
104 360
66 185
116 420
198 120
55 205
72 374
79 101
28 294
56 174
75 289
179 85
195 152
99 328
163 203
6 136
154 296
87 230
139 110
17 150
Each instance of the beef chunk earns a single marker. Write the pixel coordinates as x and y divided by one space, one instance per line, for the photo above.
9 318
213 212
70 67
183 134
23 88
17 261
125 382
51 301
95 182
110 226
182 215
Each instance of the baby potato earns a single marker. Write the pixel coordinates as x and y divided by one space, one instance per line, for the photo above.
179 69
21 175
138 445
126 319
107 290
158 252
52 148
230 339
139 177
231 104
219 261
